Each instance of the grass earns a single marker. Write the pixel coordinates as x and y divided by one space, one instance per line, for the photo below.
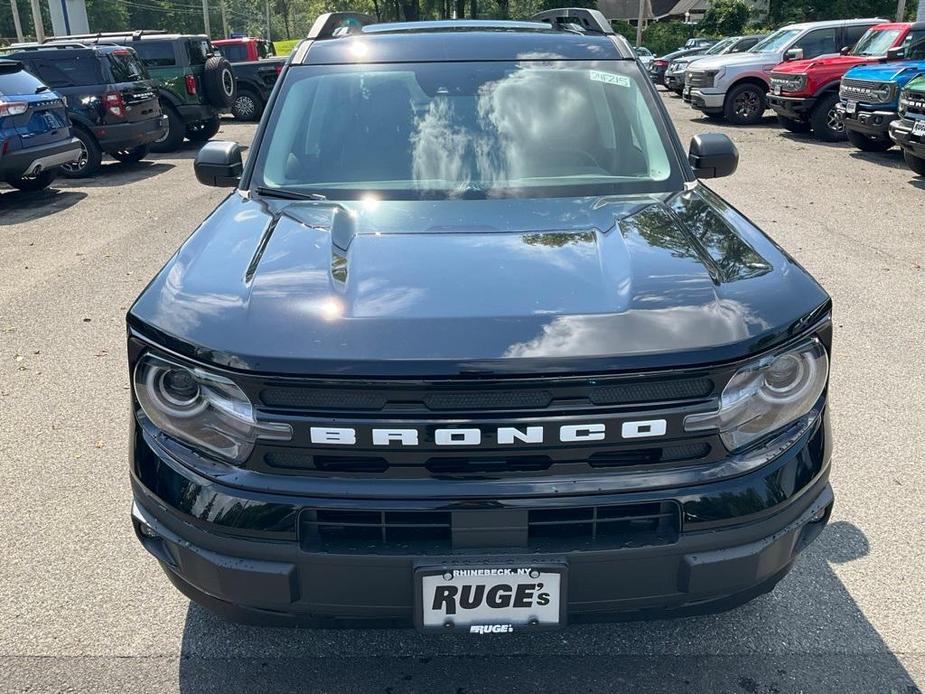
284 48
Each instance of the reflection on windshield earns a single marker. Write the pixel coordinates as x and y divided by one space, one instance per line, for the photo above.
875 42
463 130
775 42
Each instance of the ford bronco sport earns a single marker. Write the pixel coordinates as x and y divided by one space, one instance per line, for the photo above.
870 93
195 84
804 93
446 357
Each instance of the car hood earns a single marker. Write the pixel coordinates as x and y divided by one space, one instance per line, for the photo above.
715 62
832 62
446 287
886 72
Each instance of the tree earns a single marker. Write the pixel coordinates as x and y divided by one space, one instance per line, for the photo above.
725 18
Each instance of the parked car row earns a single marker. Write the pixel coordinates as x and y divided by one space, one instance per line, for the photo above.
130 93
862 80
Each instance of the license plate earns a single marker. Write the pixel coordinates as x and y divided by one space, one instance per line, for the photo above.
919 128
851 106
490 599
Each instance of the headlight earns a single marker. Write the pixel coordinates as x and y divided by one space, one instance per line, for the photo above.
767 395
883 94
202 409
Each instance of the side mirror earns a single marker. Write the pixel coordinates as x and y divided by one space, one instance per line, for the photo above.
793 54
845 50
713 155
219 164
897 53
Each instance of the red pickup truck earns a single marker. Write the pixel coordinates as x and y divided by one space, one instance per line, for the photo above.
804 93
240 50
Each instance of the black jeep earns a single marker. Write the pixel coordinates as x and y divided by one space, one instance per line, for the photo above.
111 100
469 345
195 84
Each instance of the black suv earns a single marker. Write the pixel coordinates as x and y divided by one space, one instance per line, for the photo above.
470 346
195 83
111 99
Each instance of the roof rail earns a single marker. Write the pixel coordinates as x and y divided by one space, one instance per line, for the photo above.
584 19
46 45
333 24
135 35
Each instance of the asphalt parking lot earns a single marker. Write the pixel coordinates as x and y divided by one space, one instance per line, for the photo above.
83 608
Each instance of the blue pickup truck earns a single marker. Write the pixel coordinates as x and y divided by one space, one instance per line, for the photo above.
35 132
869 94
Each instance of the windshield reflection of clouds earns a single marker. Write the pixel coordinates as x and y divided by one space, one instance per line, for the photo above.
510 142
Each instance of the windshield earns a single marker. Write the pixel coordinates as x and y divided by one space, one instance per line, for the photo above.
126 67
876 42
449 130
720 47
776 42
914 45
19 83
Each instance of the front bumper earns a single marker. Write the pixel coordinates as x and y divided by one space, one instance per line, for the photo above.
34 160
243 553
675 81
709 101
792 107
901 134
113 138
874 124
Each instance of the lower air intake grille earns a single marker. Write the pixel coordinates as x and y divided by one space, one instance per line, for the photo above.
539 530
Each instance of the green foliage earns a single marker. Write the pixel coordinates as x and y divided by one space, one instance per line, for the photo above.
787 11
284 48
725 18
665 37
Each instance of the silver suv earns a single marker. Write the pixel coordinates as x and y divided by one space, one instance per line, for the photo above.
735 85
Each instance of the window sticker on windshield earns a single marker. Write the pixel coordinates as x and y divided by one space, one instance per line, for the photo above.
609 78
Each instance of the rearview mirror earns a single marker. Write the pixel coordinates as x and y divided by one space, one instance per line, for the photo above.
219 164
713 155
897 53
845 50
793 54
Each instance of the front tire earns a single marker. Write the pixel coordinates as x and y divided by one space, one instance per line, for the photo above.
131 156
917 164
90 157
745 104
33 184
827 124
173 138
792 125
868 144
247 106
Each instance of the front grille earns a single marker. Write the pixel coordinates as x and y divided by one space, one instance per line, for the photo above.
537 530
865 91
348 464
913 104
698 78
474 397
787 83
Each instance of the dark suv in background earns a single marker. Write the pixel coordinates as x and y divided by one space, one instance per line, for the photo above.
35 133
111 100
195 83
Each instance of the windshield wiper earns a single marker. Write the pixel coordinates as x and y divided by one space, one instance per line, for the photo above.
284 194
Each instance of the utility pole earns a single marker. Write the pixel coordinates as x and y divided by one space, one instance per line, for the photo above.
269 28
16 22
900 10
37 20
642 14
205 18
224 22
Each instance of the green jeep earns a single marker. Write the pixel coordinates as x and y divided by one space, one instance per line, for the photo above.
196 84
